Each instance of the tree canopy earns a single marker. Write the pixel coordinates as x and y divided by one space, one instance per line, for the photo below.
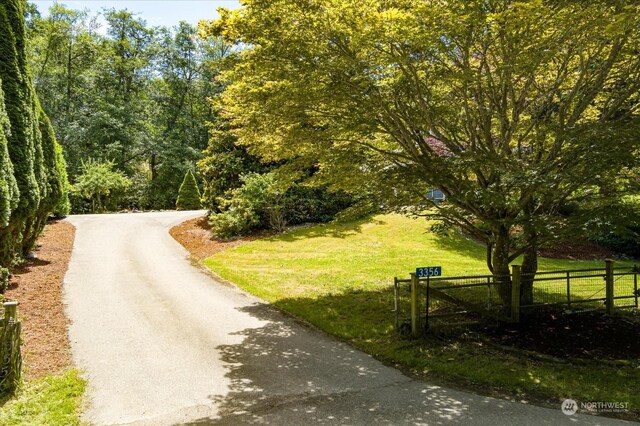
132 94
512 109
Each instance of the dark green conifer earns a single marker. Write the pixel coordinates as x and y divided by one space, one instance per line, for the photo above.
189 194
8 187
32 175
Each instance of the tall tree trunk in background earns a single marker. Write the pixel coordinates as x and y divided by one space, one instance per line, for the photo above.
154 167
68 99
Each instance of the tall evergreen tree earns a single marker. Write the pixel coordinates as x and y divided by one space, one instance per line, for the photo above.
8 187
32 175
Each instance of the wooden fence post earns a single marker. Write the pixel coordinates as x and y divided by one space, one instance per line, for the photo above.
515 293
415 329
427 302
635 284
609 286
395 303
10 356
569 289
10 311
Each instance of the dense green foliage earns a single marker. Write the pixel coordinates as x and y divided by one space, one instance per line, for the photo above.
4 279
189 194
222 165
512 109
131 94
265 201
32 169
257 202
98 182
243 194
8 187
615 226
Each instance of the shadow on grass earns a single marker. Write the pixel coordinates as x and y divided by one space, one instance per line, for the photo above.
334 230
462 245
5 398
287 373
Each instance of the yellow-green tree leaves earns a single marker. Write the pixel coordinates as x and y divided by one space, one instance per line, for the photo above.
510 108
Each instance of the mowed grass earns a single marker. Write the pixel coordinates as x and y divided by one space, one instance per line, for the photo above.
364 255
52 400
339 278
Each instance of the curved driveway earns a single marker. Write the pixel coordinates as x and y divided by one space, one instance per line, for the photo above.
161 343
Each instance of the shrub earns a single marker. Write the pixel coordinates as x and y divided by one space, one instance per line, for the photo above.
615 226
163 189
625 243
247 207
188 194
263 201
98 182
32 174
4 280
305 204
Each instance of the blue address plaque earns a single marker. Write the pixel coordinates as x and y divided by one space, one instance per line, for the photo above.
429 271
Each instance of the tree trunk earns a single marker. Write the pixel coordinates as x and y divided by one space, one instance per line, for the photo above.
68 97
154 167
530 258
529 269
500 262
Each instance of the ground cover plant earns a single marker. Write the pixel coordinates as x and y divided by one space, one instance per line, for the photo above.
51 400
338 277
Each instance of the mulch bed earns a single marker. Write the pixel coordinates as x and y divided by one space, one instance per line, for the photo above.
37 286
195 236
577 250
587 335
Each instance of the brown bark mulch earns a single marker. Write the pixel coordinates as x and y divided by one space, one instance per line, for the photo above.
37 286
195 236
577 250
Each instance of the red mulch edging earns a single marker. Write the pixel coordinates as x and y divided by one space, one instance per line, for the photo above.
195 236
37 286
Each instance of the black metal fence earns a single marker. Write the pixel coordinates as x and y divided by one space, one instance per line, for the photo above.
419 300
582 289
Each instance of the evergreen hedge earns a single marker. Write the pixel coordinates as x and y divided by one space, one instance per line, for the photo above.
189 194
33 177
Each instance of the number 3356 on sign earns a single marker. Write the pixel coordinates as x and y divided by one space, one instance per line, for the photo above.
429 271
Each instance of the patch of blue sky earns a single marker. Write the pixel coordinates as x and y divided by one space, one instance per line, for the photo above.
156 12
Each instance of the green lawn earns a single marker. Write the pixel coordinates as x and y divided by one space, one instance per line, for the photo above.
339 276
52 400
